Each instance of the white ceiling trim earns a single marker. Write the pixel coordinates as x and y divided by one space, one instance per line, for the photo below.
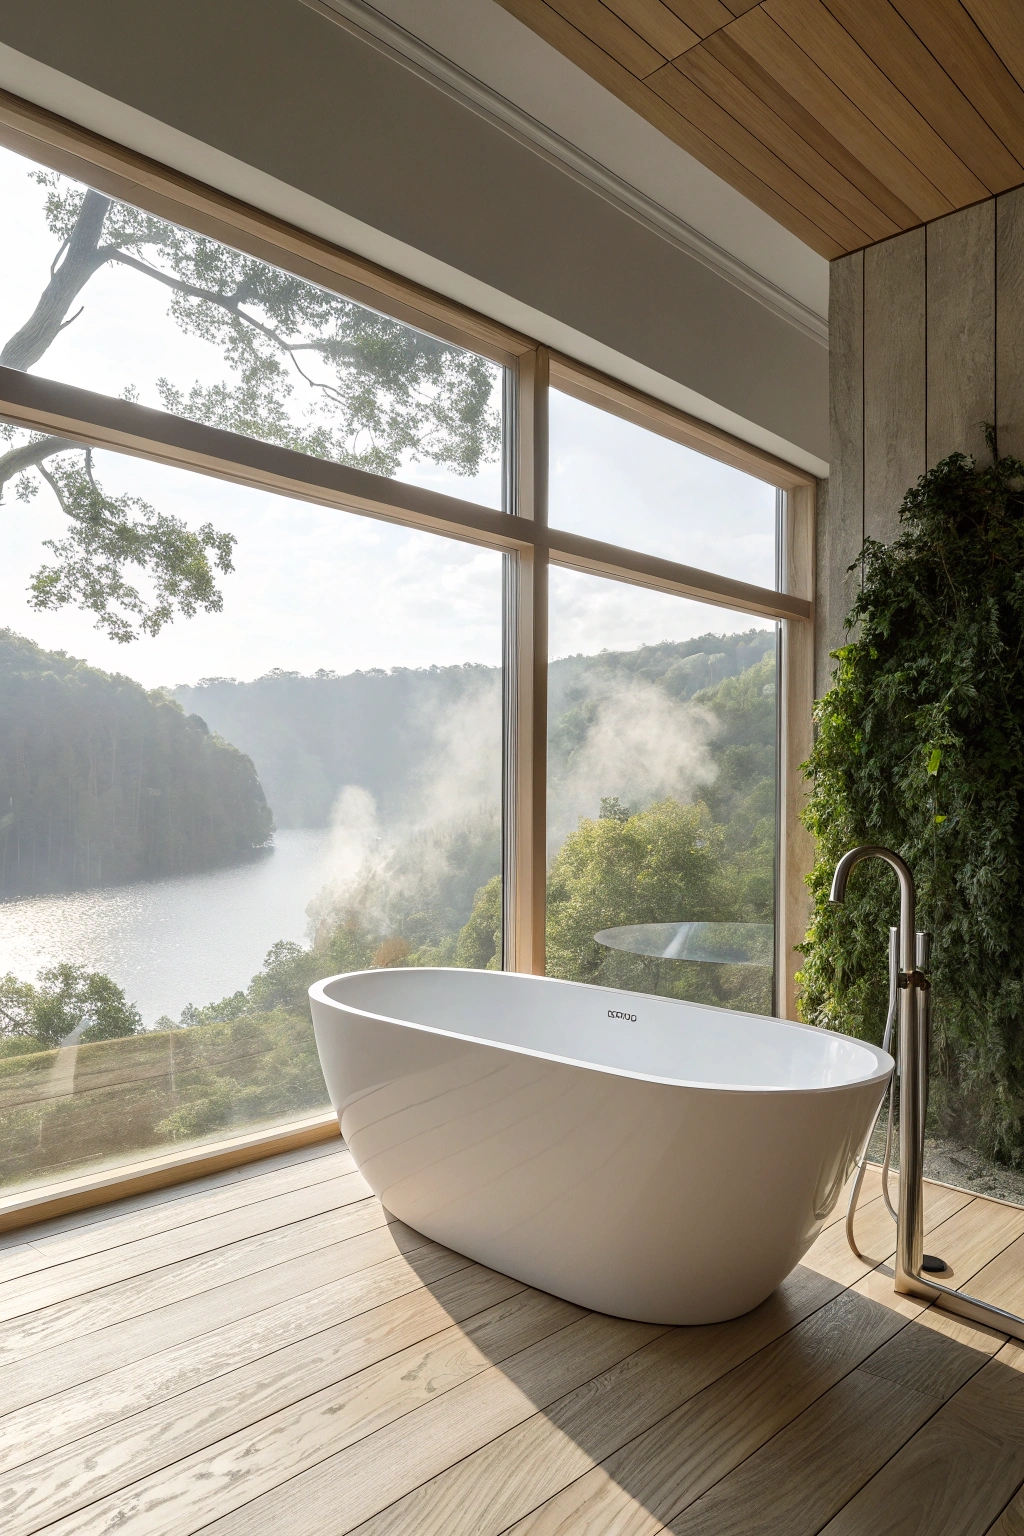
368 24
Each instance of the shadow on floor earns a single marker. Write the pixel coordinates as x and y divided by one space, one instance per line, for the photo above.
821 1409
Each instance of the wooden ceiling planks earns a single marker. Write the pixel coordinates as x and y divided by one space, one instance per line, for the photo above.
846 120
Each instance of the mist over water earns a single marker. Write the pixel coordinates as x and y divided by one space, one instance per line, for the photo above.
413 814
421 862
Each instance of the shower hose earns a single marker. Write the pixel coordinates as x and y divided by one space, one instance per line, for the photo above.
886 1104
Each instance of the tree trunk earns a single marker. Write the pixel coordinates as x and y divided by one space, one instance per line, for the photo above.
81 259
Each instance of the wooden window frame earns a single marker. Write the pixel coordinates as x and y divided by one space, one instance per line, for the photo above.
521 532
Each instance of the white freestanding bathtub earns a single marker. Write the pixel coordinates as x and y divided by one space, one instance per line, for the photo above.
657 1160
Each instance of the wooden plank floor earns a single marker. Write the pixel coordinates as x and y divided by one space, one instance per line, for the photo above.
267 1351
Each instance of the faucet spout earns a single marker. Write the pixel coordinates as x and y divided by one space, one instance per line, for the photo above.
908 903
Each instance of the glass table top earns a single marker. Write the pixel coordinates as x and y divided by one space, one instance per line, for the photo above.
717 943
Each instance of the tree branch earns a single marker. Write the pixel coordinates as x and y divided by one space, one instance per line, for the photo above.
55 487
231 304
82 256
31 456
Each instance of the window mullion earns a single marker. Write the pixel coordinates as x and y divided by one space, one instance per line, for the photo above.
796 705
525 776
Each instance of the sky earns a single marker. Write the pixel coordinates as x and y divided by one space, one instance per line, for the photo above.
315 587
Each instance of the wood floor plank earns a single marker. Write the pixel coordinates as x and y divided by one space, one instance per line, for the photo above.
69 1321
55 1420
321 1375
289 1458
186 1190
82 1277
801 1477
74 1357
954 1477
680 1457
677 1363
1001 1281
701 1423
247 1372
875 1231
974 1236
62 1247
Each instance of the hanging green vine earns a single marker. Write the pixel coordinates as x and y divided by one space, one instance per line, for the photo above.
920 747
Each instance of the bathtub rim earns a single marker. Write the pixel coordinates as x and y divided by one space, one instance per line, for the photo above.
884 1063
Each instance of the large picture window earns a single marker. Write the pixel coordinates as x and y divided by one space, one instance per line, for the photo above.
335 637
661 795
616 481
203 823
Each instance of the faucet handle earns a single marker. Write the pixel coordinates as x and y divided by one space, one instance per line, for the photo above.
922 950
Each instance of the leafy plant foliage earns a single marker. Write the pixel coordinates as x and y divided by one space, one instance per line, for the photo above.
920 747
711 860
64 999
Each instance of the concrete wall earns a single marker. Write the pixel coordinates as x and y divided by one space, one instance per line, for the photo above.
283 89
927 345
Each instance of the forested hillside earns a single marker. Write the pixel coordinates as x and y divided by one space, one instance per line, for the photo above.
311 736
102 780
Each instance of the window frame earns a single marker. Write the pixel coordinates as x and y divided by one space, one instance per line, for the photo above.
521 531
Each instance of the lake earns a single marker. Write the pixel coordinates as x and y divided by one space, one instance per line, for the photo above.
186 939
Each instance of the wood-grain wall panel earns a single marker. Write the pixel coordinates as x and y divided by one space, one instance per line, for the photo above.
1009 414
703 111
703 16
961 332
841 510
810 24
553 27
656 24
746 68
605 29
1003 27
894 378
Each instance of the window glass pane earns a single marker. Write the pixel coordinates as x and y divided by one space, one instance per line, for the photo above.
98 294
197 824
661 809
614 481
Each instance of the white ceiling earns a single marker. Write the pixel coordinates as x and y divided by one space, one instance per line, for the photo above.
492 47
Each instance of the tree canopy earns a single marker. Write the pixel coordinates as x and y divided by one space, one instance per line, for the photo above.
65 998
302 367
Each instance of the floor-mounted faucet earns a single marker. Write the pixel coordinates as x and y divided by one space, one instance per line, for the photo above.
914 1269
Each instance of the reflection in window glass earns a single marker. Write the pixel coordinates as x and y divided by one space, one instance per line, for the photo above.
661 797
614 481
198 824
98 294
